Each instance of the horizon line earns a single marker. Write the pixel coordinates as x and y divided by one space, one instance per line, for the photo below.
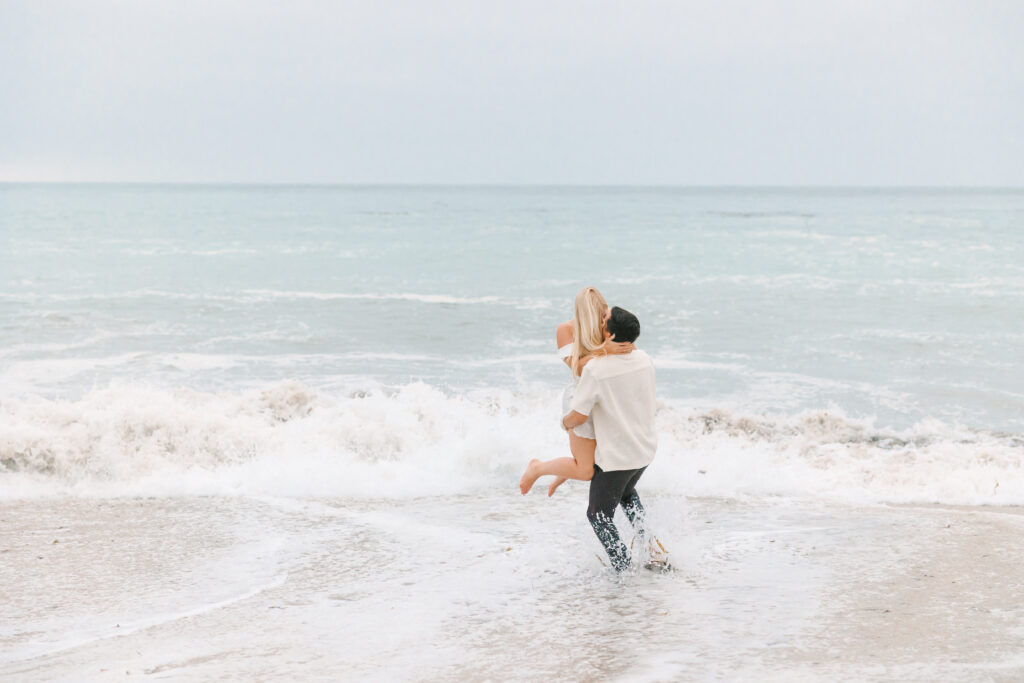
441 185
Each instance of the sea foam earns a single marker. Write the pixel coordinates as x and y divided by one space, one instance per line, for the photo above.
291 440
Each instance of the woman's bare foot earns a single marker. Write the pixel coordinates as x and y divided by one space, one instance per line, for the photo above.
555 484
529 477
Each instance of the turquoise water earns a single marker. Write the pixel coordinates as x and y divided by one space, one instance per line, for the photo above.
859 344
898 304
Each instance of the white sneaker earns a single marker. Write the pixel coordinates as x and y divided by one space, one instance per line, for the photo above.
657 557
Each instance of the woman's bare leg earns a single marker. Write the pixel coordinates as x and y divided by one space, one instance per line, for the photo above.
555 483
580 466
583 453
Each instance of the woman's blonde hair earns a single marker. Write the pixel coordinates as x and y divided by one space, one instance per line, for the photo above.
587 325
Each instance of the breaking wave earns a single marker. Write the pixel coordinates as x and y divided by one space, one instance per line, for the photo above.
289 439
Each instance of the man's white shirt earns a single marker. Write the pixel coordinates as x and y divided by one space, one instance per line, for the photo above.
618 393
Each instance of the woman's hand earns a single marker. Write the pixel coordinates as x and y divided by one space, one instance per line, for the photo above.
614 348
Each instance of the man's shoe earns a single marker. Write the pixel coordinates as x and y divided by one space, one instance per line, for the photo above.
657 558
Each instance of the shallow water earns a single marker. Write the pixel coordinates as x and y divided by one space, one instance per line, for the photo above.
485 586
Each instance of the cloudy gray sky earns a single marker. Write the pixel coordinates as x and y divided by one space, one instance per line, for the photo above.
639 92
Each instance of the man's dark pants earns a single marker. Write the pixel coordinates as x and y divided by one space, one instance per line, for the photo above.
608 490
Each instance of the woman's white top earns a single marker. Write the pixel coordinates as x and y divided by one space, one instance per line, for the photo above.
585 430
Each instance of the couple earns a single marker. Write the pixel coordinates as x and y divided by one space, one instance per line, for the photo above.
608 411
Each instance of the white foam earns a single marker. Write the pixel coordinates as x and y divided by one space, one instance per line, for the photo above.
50 347
260 295
794 234
414 440
158 251
93 634
24 375
405 296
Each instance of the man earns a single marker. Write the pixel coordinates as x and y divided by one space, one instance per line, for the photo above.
618 392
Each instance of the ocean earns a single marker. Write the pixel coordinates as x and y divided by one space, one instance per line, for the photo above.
306 409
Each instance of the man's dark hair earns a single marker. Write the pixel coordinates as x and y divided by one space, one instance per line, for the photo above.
624 325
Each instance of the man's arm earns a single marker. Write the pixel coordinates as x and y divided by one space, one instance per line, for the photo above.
573 419
584 397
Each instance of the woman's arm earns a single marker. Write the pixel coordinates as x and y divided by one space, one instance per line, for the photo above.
612 347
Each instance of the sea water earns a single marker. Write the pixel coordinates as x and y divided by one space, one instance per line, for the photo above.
334 390
226 331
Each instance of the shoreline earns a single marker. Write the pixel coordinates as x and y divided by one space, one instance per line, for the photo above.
457 587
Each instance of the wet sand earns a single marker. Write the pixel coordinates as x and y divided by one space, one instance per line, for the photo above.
502 587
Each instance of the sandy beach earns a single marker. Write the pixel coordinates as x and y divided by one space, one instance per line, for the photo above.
286 299
495 587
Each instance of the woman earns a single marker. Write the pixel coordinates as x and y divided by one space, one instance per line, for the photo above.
579 340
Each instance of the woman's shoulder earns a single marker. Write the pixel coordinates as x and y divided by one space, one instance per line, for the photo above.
563 334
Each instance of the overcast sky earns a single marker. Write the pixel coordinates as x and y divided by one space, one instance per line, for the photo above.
634 92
